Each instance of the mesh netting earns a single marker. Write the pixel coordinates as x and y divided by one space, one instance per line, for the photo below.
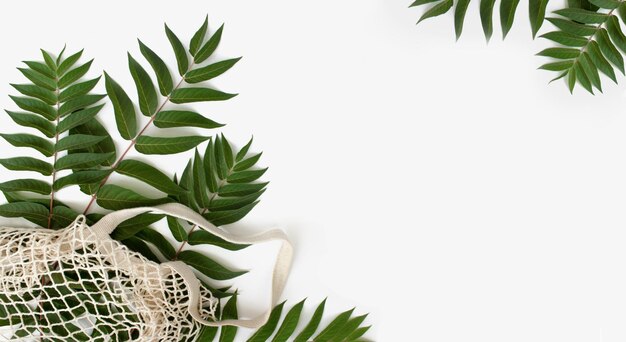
72 285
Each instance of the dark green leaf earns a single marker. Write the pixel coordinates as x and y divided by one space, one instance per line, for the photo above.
210 71
35 106
157 145
37 92
139 246
590 70
199 185
609 50
145 88
159 241
187 95
69 62
507 15
437 10
27 140
606 4
230 203
350 327
42 68
246 176
123 108
221 218
244 151
247 163
78 89
582 16
486 17
94 127
566 39
77 141
289 323
149 175
208 266
81 177
78 118
179 51
207 49
116 198
176 118
179 233
202 237
560 53
264 333
536 13
311 327
164 78
572 27
599 61
334 327
198 37
78 103
30 185
228 333
30 120
459 16
27 164
38 79
558 66
615 32
30 211
74 75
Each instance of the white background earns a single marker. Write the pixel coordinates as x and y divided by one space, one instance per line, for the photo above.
443 187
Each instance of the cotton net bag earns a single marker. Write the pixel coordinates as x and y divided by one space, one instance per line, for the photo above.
78 284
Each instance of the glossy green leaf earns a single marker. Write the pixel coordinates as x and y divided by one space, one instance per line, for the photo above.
41 93
582 77
35 106
209 47
27 140
27 164
221 218
78 103
131 227
606 4
145 88
76 141
28 210
437 10
69 62
159 241
459 16
179 118
210 167
78 89
536 14
42 68
30 185
599 61
582 16
246 176
486 17
507 15
208 266
311 327
572 27
187 95
139 246
348 328
78 118
74 75
248 162
199 186
210 71
230 203
289 324
558 66
198 37
244 151
333 328
560 53
566 39
157 145
177 229
202 237
38 79
125 117
264 333
149 175
115 197
228 333
609 51
94 127
179 51
164 78
590 70
615 32
81 177
30 120
78 161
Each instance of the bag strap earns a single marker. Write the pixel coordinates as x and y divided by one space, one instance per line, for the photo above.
105 226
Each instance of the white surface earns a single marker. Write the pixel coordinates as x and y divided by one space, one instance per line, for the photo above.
444 187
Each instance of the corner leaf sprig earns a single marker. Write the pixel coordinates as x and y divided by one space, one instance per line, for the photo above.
126 117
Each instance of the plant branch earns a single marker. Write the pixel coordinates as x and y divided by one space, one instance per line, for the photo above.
54 161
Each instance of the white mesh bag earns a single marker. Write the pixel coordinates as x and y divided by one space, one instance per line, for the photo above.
78 284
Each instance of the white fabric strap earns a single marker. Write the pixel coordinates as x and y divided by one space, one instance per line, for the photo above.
108 223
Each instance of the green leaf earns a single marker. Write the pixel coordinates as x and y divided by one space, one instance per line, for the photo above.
208 266
199 185
356 335
210 165
179 233
77 141
289 324
198 37
566 39
41 68
27 140
615 32
29 120
27 164
334 327
606 4
35 106
49 60
536 13
572 27
30 211
244 151
582 16
69 62
78 161
211 45
159 241
139 246
571 79
582 77
558 66
164 78
30 185
311 327
437 10
264 333
348 328
78 103
187 95
94 127
246 176
74 75
38 79
459 16
221 218
207 334
123 107
62 217
114 197
78 89
186 182
230 203
157 145
37 92
486 17
560 53
507 15
599 61
149 175
609 50
81 177
210 71
78 118
228 333
590 70
145 88
421 2
247 163
179 51
177 118
131 227
202 237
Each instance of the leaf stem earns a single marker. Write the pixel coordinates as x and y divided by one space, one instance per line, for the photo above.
94 196
54 161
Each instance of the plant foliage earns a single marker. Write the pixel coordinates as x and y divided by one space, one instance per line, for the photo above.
68 146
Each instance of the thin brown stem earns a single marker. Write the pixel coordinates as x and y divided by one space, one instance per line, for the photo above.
134 141
54 161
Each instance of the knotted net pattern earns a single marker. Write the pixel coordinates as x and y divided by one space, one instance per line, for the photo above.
72 285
